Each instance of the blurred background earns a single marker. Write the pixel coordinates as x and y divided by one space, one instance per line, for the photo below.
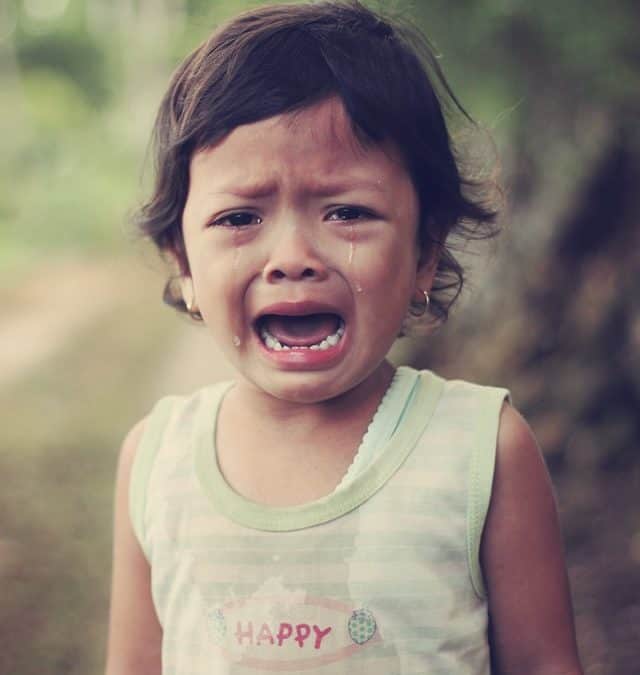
86 346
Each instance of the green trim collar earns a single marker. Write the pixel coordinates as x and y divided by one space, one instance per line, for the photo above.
280 519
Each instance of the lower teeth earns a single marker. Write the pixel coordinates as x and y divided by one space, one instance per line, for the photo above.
330 341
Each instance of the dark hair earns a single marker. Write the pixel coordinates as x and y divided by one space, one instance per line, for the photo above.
281 58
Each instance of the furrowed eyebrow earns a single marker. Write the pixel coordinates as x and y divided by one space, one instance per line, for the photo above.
348 185
324 189
248 191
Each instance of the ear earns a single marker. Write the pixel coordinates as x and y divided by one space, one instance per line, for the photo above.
188 292
427 266
181 273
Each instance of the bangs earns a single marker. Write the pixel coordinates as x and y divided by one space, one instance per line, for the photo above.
292 67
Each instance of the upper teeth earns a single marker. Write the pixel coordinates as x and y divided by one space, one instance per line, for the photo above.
275 344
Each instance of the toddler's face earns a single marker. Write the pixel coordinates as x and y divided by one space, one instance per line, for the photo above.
302 251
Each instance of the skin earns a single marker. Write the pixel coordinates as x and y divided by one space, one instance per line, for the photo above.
293 209
323 218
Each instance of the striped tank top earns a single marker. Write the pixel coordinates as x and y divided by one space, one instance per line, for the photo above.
380 577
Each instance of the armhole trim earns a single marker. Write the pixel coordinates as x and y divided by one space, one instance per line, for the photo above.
143 463
481 470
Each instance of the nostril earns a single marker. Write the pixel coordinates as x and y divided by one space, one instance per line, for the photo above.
274 273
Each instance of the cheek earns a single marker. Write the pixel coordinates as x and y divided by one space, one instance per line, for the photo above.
212 284
221 278
389 267
383 304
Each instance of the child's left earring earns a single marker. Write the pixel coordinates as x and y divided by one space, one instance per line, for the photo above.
189 298
419 307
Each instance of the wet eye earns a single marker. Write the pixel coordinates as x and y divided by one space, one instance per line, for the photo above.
348 213
238 219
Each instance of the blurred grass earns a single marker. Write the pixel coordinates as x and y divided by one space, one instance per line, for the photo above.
68 176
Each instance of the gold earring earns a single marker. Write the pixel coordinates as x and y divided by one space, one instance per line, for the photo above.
419 308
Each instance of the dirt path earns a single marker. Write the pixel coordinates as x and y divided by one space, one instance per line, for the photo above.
60 300
49 307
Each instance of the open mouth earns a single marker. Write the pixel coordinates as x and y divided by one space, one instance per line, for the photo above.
316 331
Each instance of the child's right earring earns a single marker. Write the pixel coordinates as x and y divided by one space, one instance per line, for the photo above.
419 307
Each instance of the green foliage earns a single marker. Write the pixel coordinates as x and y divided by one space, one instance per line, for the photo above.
576 53
70 170
41 86
75 55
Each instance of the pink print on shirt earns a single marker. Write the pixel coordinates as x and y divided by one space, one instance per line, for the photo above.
281 634
300 633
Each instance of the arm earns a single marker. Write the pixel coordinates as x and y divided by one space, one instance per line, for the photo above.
523 562
135 635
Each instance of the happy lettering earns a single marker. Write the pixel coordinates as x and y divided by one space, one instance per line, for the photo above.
302 633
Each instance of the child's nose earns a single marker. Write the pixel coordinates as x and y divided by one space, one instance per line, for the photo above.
294 256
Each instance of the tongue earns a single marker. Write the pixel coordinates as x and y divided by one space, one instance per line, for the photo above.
298 331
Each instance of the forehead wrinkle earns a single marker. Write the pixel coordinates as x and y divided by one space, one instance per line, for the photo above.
310 185
338 185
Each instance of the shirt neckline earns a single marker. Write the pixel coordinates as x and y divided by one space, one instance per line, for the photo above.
383 424
333 505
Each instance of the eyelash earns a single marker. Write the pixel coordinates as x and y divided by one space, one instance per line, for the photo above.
226 220
361 213
341 214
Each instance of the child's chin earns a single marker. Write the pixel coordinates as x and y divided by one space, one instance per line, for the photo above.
309 388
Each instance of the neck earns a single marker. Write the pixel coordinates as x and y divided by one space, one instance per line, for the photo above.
283 453
353 408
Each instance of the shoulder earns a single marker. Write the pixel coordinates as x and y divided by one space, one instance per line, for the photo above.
514 431
470 396
515 437
149 429
522 498
127 459
520 468
130 444
521 510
